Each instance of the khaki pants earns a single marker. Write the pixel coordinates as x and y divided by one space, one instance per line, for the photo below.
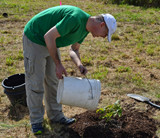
40 79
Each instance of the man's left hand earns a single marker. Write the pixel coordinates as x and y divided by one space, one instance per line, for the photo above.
82 69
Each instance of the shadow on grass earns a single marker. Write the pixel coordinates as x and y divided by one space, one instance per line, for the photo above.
17 112
58 131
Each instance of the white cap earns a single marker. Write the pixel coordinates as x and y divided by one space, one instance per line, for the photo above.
111 24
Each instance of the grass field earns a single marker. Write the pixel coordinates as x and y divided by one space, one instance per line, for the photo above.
129 64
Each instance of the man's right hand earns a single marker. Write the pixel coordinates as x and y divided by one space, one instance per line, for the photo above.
60 70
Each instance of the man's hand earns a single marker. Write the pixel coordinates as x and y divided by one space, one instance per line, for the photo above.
60 70
82 69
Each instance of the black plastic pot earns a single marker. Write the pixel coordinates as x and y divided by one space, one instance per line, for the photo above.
14 88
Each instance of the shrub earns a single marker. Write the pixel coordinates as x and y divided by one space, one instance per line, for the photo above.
110 111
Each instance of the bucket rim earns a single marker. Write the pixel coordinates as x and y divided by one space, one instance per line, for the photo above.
12 87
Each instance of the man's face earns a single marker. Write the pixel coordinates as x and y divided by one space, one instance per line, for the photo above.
100 30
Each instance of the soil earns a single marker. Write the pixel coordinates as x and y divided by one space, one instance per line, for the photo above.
133 123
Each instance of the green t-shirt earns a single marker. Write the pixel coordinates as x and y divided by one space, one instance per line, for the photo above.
70 22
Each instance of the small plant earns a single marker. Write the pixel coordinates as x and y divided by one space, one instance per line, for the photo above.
137 78
19 56
110 111
1 40
158 95
9 61
115 37
100 73
87 61
150 51
122 69
137 60
124 56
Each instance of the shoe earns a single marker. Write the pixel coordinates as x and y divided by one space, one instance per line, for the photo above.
37 128
65 121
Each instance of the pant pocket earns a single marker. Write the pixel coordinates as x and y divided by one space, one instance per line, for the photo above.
29 66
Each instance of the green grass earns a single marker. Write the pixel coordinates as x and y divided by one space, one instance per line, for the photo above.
158 95
9 61
121 69
8 126
137 78
100 74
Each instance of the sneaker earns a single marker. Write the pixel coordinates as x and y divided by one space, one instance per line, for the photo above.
37 128
65 121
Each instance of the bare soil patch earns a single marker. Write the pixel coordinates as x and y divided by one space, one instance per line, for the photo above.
133 123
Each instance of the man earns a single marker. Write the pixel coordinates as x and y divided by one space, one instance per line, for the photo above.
46 32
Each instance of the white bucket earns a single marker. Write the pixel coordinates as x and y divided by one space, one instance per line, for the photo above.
78 92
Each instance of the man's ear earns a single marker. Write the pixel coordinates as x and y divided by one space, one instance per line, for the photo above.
103 24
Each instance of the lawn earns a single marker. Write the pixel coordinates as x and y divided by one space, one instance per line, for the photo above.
129 64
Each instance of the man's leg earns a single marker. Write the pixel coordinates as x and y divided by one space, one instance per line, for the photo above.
54 110
35 63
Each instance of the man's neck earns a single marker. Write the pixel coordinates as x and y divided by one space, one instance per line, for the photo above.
89 24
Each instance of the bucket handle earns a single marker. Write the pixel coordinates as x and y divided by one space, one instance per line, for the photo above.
90 89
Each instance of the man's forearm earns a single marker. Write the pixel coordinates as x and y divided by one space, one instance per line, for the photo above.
75 57
51 45
50 39
74 54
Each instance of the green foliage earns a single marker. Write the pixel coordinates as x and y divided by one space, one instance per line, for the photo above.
87 61
115 37
145 3
137 60
19 56
150 51
136 79
100 73
110 111
9 61
158 95
121 69
1 40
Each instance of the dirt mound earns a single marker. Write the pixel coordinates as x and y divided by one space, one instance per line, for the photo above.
133 123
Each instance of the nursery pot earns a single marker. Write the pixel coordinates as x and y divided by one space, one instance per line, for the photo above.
84 93
14 88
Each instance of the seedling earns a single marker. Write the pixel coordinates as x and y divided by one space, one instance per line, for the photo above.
9 61
110 111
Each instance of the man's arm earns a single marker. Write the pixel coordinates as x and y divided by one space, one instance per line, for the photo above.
50 39
75 56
